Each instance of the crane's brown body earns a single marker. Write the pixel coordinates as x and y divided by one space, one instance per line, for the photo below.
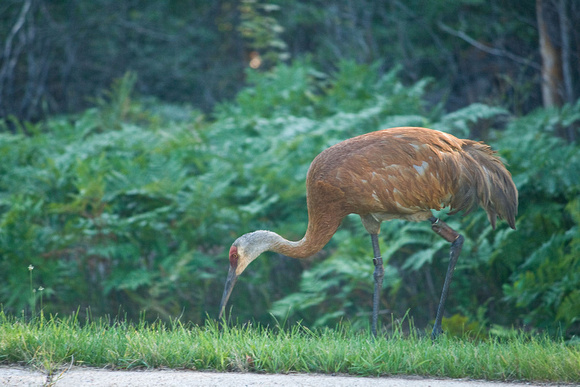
398 173
401 173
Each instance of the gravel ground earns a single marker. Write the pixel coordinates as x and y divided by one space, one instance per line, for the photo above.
78 376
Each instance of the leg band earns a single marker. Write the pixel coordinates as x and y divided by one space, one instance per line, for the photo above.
443 230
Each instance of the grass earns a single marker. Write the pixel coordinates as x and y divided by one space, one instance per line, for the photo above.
52 343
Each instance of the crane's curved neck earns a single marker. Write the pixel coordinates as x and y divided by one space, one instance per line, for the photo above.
309 245
317 236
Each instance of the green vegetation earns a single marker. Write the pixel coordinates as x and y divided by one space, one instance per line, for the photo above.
119 198
131 205
50 344
196 52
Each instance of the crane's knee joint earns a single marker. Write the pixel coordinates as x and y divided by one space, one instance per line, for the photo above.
459 240
457 244
378 261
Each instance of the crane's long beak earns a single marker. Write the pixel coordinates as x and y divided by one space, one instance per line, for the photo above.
230 282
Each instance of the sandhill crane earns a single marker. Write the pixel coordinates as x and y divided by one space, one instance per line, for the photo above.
397 173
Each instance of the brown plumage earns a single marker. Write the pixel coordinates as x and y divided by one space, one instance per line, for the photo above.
398 173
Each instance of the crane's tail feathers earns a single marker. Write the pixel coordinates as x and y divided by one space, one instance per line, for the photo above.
484 180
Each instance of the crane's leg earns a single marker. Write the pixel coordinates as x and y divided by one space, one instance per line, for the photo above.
450 235
378 276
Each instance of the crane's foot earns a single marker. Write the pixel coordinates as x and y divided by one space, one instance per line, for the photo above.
436 332
450 235
378 275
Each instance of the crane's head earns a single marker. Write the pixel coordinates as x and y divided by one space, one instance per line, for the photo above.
243 251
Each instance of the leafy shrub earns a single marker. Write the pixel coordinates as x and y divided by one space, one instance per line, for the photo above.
544 287
132 205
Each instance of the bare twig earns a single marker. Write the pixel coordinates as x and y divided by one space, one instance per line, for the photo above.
13 32
490 50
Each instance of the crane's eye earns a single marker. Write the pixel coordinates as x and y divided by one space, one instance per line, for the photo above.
234 256
234 259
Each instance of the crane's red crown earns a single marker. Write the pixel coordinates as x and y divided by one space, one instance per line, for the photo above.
234 256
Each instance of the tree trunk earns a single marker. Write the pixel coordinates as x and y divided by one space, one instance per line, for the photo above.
566 51
552 76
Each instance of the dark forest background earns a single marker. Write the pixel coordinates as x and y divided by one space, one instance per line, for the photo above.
139 138
56 55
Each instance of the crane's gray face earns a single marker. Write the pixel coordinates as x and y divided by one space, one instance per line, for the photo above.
243 251
239 260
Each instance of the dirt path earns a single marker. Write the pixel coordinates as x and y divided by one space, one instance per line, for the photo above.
77 376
